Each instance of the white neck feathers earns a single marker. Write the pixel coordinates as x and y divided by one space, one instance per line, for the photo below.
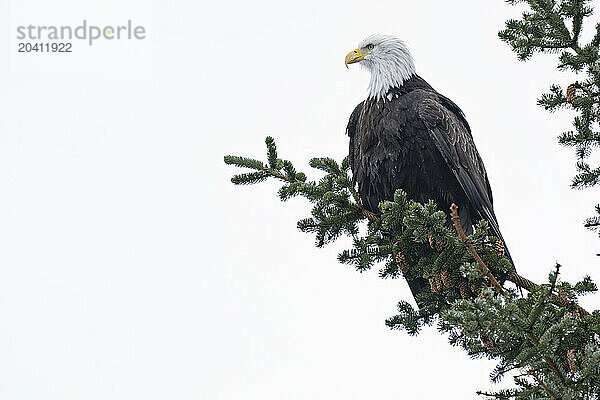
390 64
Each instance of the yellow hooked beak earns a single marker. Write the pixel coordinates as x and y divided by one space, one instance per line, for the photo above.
354 56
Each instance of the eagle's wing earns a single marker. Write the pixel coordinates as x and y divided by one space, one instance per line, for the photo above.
351 132
451 134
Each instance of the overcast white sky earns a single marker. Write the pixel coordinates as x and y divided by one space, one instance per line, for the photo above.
130 267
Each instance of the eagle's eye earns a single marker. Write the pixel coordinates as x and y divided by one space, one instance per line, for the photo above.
370 46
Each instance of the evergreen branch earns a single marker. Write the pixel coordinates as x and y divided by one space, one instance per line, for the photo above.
543 28
535 341
530 286
500 289
542 384
463 238
593 223
541 332
493 395
414 240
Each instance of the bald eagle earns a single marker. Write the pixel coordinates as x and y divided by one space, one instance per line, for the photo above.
407 136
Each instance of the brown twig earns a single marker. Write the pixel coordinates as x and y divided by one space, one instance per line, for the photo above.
548 360
463 238
542 384
528 285
497 286
369 215
513 277
521 281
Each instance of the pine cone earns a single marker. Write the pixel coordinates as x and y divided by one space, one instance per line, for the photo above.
489 345
446 279
401 262
436 284
434 244
465 292
571 92
500 249
571 359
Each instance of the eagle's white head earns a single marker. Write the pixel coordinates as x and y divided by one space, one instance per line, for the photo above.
388 60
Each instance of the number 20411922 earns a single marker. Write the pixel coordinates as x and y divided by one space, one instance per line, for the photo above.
44 47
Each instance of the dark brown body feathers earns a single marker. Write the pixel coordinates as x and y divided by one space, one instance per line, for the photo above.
419 141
